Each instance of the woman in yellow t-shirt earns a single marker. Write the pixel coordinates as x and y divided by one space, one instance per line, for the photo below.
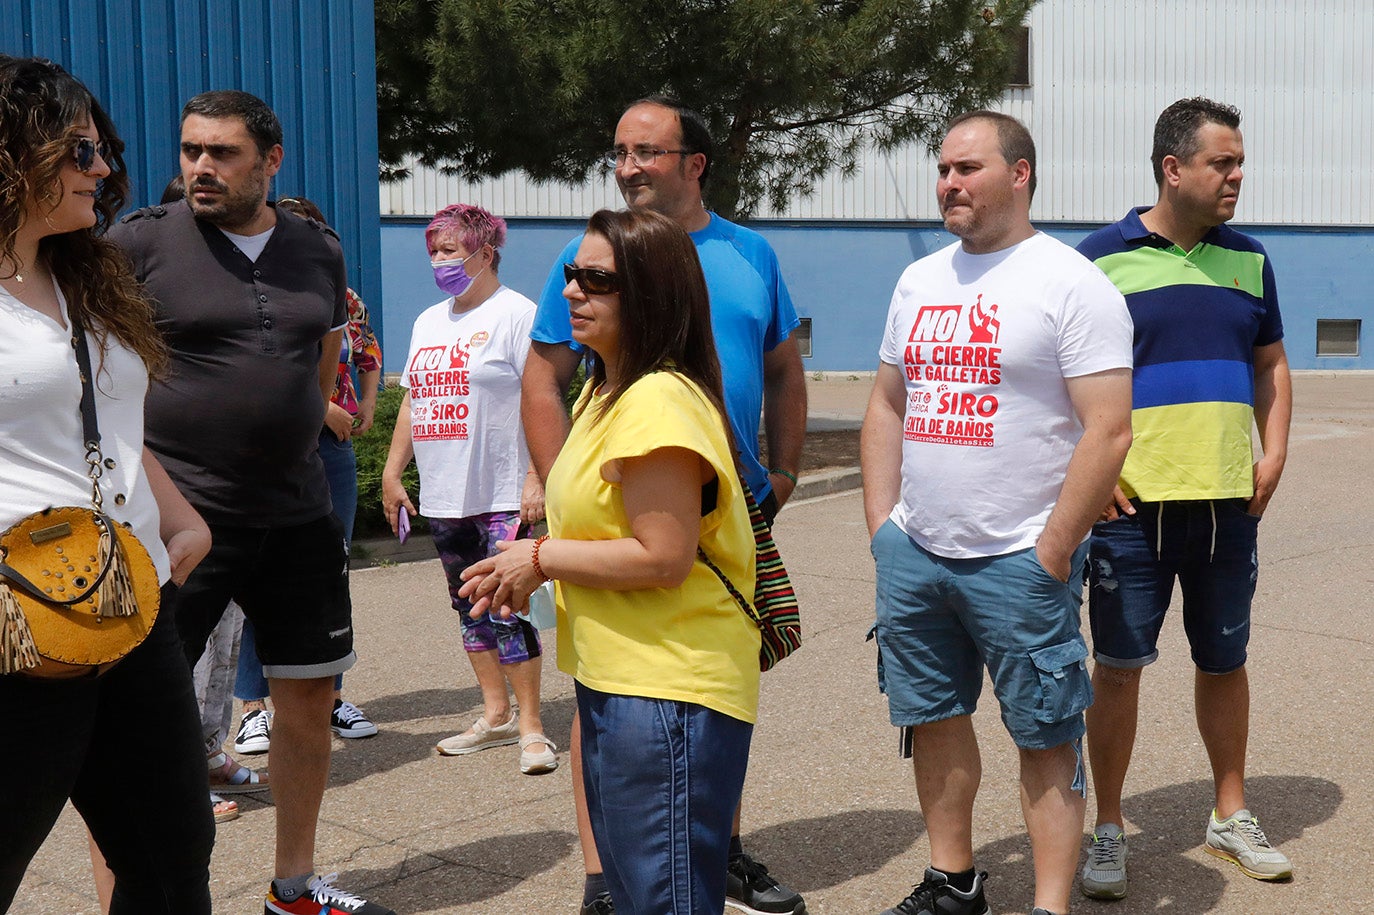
665 661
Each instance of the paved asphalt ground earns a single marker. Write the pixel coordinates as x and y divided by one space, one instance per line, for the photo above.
829 805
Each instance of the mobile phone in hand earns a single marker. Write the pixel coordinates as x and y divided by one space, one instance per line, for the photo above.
403 525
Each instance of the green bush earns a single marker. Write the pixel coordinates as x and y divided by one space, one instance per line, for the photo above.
371 450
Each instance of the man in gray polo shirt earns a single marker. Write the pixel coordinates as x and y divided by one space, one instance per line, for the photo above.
252 304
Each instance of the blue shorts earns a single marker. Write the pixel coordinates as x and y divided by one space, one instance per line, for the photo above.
941 620
1209 547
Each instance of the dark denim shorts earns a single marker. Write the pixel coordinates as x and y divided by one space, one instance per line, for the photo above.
1208 547
940 621
292 582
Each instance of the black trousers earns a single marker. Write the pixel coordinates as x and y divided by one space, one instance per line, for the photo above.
72 739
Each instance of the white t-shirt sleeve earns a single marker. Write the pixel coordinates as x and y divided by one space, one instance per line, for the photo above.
1095 327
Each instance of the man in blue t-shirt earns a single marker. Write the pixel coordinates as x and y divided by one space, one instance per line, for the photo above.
662 157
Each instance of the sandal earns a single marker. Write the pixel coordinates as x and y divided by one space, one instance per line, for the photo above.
228 777
223 810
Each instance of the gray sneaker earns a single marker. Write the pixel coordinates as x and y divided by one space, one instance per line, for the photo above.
481 736
1104 876
1240 840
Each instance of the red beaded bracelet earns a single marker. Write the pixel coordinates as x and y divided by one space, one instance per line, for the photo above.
534 558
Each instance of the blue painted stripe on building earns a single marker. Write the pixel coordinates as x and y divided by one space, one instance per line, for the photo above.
841 275
1198 381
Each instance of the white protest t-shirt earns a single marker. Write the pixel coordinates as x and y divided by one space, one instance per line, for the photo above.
463 373
985 342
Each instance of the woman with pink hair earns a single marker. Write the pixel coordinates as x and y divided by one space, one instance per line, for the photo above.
459 421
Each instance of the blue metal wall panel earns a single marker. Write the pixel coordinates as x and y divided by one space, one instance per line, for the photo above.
313 61
1320 273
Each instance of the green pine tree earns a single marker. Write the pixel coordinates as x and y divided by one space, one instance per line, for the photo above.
791 88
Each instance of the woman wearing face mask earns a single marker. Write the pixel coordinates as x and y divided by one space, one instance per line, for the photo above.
460 421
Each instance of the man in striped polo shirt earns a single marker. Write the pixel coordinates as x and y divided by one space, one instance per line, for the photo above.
1209 363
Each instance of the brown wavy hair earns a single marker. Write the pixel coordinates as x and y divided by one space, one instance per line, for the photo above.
41 108
665 310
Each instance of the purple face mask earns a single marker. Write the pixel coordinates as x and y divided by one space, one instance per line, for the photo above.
451 276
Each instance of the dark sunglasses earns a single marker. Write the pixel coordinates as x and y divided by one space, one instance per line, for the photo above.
590 280
85 150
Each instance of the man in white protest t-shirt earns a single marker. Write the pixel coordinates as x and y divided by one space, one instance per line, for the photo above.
998 423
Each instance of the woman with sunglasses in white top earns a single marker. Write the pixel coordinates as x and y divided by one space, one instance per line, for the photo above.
62 180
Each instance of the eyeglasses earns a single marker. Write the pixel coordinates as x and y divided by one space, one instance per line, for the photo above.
643 156
85 150
590 280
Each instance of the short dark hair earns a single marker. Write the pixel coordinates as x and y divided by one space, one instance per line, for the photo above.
174 191
303 207
665 310
257 117
1177 127
1013 138
696 135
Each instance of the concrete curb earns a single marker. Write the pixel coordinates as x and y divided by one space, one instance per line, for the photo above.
826 482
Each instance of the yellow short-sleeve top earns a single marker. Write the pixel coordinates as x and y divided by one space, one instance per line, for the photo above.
691 643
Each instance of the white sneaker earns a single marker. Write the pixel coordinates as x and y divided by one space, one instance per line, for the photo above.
481 737
1240 840
1104 875
255 733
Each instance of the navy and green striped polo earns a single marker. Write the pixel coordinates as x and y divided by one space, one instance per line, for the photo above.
1198 317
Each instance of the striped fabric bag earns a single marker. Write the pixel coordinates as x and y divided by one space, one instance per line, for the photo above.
774 609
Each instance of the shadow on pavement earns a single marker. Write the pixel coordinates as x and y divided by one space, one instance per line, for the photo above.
392 748
466 874
421 703
1166 826
822 852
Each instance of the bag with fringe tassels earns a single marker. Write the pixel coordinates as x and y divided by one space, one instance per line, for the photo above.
78 591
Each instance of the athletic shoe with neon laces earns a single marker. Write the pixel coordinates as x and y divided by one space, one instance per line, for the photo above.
1240 840
347 720
323 899
934 896
749 889
1104 876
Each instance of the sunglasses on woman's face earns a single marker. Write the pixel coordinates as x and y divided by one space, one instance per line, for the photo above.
590 280
85 150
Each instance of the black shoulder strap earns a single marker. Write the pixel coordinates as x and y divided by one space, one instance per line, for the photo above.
90 430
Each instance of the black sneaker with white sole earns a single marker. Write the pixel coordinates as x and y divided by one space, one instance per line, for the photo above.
347 720
255 733
749 889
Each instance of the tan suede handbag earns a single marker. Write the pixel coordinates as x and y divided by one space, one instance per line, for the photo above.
78 591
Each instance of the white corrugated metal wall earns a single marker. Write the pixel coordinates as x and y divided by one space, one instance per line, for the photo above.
1302 74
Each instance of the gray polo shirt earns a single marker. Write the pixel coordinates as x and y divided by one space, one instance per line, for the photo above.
237 419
